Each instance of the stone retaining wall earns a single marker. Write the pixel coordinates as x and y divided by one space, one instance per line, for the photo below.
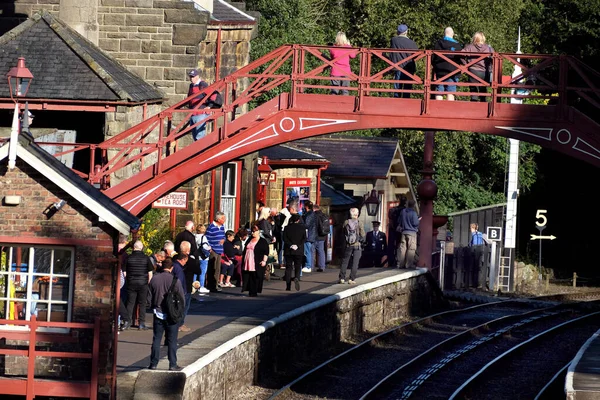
297 340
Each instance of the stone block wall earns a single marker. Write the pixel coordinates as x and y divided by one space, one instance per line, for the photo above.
95 264
261 360
156 39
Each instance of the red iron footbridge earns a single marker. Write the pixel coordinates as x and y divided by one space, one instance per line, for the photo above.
285 96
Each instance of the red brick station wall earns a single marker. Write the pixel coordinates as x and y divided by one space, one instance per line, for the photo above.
94 267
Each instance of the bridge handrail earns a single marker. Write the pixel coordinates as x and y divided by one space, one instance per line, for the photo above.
303 68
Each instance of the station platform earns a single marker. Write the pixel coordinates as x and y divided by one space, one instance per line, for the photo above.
219 317
583 376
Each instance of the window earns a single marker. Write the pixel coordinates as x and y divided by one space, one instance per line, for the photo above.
228 194
36 281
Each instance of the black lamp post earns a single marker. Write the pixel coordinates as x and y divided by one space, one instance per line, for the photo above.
19 79
372 203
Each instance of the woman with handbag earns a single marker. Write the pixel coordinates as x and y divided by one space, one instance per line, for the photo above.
254 262
482 69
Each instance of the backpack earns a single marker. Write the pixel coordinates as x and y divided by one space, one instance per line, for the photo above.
351 232
174 304
216 100
201 250
322 224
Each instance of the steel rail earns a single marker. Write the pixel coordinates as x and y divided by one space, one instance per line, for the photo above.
387 332
472 379
551 381
450 340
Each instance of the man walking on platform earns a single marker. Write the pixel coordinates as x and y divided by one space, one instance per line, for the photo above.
138 272
159 287
408 239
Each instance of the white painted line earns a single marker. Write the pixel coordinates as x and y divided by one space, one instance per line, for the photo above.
260 329
571 372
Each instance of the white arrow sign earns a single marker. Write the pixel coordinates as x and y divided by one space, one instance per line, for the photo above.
534 237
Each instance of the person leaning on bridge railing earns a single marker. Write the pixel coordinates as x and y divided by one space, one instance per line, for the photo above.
442 67
482 68
341 63
403 42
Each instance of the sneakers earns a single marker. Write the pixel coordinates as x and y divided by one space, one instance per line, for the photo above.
143 328
342 281
229 284
151 366
351 282
126 325
184 328
320 270
175 368
306 269
203 290
221 284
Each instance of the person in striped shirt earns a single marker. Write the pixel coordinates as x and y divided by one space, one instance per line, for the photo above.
215 235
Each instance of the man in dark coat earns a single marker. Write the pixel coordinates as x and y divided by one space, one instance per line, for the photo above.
138 272
376 247
187 235
443 67
294 237
404 43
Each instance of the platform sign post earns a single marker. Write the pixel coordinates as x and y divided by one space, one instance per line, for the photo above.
540 224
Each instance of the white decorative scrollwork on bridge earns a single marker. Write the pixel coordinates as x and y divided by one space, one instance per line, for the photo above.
141 197
563 136
287 125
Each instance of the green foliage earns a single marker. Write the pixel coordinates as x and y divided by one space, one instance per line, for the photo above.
155 230
470 168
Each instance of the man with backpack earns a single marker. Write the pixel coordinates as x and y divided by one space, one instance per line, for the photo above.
354 234
409 221
322 232
214 101
166 299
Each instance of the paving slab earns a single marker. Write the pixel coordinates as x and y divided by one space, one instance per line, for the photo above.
219 317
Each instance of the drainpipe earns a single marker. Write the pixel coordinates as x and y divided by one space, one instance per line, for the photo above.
323 168
218 56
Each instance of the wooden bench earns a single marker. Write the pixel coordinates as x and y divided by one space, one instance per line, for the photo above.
30 386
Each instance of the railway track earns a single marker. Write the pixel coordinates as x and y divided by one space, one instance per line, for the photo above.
405 362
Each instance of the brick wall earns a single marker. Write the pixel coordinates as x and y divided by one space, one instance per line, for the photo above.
95 265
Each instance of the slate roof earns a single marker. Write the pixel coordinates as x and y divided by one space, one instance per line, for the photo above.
352 156
289 152
226 12
66 66
68 174
337 197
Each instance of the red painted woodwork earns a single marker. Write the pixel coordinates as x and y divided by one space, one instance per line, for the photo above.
30 387
296 78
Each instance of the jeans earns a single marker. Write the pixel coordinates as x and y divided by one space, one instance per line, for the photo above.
158 327
188 301
136 293
198 131
407 249
448 88
355 253
340 83
308 254
477 89
203 269
399 76
319 248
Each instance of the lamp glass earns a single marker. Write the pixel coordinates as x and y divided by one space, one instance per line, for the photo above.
22 86
264 177
372 203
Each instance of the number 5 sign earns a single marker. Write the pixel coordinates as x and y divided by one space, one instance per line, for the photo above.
541 219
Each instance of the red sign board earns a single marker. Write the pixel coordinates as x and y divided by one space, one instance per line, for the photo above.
297 189
174 200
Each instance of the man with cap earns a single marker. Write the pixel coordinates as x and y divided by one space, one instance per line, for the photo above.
376 250
196 87
403 42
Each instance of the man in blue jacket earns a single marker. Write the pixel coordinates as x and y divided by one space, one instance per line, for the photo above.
442 67
408 238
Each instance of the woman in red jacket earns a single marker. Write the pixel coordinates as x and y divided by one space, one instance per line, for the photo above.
341 63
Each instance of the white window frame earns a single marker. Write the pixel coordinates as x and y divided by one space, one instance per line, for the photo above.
30 275
230 221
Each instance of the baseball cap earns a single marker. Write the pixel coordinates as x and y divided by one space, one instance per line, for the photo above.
402 28
193 72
